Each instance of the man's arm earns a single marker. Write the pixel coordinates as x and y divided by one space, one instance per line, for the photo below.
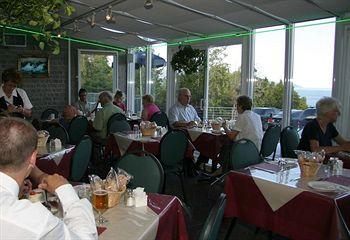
315 147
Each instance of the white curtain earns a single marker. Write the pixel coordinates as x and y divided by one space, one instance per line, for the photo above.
341 77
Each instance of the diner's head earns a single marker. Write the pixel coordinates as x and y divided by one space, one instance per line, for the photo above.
82 94
10 79
147 99
329 108
69 112
18 141
184 96
105 97
244 103
118 96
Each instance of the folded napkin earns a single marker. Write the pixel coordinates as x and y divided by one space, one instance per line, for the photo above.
268 166
342 180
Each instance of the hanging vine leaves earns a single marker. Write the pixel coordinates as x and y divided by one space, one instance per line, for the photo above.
42 15
188 60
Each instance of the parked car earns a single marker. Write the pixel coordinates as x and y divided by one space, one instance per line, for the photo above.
308 115
295 120
266 114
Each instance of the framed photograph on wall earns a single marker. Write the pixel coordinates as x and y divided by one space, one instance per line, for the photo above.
34 65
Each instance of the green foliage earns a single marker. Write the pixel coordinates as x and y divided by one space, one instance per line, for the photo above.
188 60
270 94
42 15
96 73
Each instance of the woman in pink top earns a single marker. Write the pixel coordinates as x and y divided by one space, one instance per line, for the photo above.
149 108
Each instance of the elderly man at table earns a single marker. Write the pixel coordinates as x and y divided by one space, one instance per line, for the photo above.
182 114
102 116
21 219
319 133
248 124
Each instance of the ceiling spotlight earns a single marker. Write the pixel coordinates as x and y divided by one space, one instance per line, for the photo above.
92 20
148 4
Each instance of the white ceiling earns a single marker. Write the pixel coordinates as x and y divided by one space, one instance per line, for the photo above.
185 19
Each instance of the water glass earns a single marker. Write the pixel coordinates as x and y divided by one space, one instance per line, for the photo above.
136 130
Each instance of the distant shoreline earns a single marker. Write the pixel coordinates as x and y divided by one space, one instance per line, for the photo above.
313 94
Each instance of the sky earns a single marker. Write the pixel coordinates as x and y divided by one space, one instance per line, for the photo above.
313 54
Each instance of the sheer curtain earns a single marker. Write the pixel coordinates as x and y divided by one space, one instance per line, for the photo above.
341 76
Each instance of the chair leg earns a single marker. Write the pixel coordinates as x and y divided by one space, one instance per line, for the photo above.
183 187
230 228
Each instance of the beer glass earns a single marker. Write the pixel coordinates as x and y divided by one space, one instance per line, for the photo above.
100 203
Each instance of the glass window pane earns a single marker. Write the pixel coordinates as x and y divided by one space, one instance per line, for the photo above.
159 75
140 79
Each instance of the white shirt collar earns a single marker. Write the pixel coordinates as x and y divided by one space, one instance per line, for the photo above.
180 105
9 184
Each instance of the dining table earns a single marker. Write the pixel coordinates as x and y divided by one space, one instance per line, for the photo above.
51 159
162 218
279 199
208 142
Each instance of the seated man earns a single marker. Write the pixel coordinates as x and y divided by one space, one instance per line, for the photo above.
182 114
69 112
82 105
102 116
21 219
319 132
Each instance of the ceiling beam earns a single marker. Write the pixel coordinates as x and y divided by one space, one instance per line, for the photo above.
144 21
92 9
312 2
259 11
204 14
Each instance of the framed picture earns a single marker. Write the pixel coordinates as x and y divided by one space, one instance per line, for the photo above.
34 66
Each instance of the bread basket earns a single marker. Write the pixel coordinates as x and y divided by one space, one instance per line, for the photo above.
114 197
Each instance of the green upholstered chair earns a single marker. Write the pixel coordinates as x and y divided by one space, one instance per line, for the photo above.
146 170
212 224
173 147
243 154
77 129
289 142
58 131
161 119
47 112
113 118
270 141
118 126
80 159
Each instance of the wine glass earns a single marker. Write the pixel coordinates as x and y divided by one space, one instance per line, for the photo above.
100 203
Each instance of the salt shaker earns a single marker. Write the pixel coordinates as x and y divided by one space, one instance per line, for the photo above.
129 198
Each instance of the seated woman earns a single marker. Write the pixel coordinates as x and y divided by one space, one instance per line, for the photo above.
319 133
118 100
248 124
149 108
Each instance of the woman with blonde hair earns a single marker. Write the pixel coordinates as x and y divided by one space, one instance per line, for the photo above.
149 108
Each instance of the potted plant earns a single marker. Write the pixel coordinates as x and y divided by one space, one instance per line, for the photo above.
188 59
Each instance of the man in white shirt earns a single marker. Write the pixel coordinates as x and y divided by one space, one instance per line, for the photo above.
182 114
21 219
12 99
248 124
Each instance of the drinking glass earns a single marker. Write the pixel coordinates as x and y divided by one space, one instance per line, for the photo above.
100 203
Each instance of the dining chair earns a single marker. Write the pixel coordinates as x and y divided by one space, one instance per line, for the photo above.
47 112
146 170
118 126
80 159
161 119
212 224
270 141
289 142
113 118
77 129
58 131
173 146
243 154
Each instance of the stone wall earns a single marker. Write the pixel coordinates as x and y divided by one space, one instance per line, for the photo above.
52 91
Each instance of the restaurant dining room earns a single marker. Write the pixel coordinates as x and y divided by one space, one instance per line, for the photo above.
175 119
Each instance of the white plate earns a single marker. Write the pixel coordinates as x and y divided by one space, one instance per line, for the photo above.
323 186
